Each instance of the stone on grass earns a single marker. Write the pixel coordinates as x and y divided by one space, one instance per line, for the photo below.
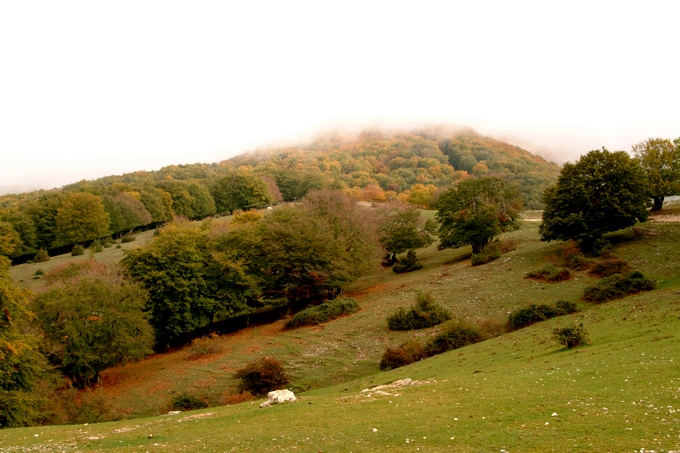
279 397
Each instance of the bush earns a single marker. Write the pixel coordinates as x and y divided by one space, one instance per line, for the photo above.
534 313
402 355
425 313
578 262
204 346
324 312
78 250
407 263
71 406
507 246
262 376
39 272
550 273
186 402
97 246
127 238
609 266
490 253
107 242
571 336
617 286
119 246
41 256
454 335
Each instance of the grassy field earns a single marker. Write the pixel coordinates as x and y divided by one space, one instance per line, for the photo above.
617 394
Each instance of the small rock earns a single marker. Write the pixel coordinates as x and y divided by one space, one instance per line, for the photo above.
35 435
174 412
547 423
554 414
150 436
279 397
375 430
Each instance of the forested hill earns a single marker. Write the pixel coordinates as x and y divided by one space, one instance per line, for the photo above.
402 162
373 165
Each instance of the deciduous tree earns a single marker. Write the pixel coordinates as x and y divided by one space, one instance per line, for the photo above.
81 217
660 158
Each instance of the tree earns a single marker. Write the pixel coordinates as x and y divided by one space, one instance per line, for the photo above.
189 285
189 199
475 211
402 228
602 192
241 190
126 212
660 158
10 241
24 372
93 319
81 217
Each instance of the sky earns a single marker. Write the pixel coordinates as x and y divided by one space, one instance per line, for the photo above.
89 89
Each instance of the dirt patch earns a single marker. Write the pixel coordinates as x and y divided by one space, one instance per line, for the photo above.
360 294
665 218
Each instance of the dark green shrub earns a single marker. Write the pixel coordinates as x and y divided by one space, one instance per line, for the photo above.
41 256
454 335
550 273
571 336
402 355
39 272
407 263
324 312
535 313
609 266
617 286
186 402
30 262
119 246
97 246
127 238
490 253
263 376
78 250
107 242
578 262
425 313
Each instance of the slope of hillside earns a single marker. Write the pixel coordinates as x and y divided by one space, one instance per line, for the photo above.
618 393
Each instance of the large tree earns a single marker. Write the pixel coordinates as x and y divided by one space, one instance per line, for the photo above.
126 212
602 192
81 217
476 211
93 319
402 228
241 190
660 158
22 368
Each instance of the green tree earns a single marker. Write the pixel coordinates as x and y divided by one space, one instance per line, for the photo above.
125 212
24 372
10 241
81 217
402 228
189 286
604 191
241 190
43 212
92 319
189 199
23 224
475 211
660 158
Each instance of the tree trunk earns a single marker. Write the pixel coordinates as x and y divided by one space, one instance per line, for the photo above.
658 203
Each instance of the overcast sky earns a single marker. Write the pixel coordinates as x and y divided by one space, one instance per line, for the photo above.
93 88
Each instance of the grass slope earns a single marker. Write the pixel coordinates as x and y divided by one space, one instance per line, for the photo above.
617 394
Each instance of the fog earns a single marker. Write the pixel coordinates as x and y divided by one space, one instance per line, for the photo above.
92 89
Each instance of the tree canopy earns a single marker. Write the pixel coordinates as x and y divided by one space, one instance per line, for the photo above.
402 228
475 211
602 192
80 217
660 159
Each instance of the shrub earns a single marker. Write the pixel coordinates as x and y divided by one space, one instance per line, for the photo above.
228 398
425 313
617 286
97 246
454 335
507 246
39 272
118 246
262 376
407 263
550 273
72 406
534 313
107 242
78 250
490 253
324 312
41 256
610 266
186 402
204 346
127 238
571 336
402 355
578 262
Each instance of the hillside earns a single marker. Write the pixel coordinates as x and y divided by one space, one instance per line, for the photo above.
415 166
618 393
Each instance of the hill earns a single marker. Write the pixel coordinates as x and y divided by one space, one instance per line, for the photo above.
373 165
618 393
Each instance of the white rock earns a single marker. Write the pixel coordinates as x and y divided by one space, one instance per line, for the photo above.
174 412
279 397
554 414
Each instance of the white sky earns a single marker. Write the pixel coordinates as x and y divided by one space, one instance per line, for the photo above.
91 88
